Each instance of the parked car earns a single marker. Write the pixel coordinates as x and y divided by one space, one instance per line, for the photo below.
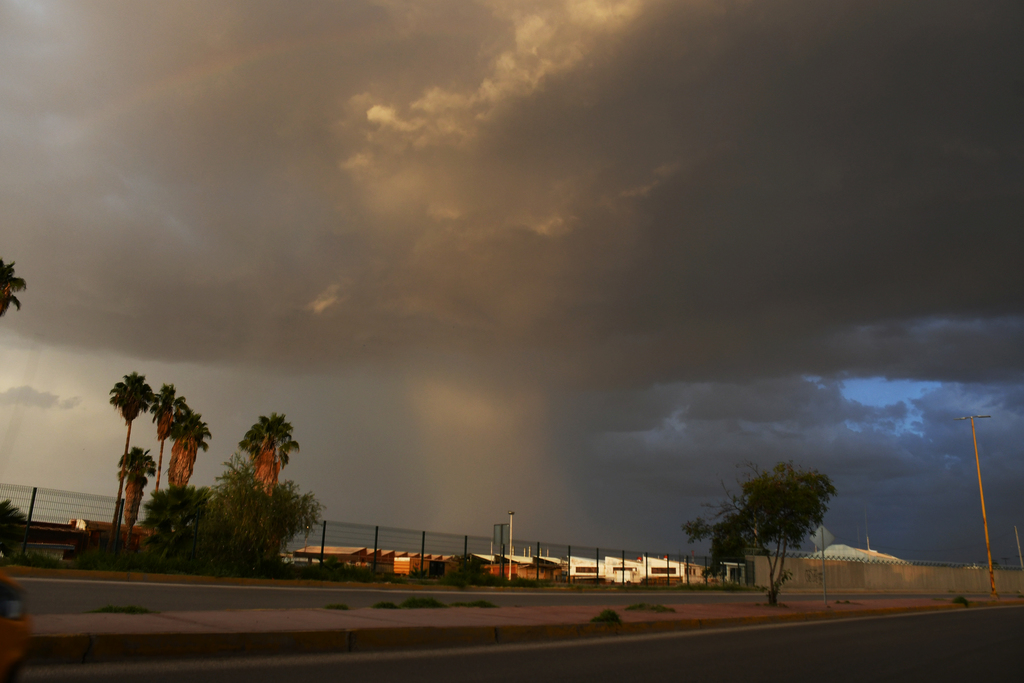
14 629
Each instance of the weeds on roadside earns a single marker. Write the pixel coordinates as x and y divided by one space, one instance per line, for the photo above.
336 605
421 603
648 607
475 603
385 604
608 616
122 609
961 600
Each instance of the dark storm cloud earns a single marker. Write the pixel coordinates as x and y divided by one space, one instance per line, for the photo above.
636 243
702 192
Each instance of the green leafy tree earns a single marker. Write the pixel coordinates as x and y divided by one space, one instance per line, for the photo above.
246 525
172 515
774 511
165 409
12 527
189 434
138 466
269 443
9 284
130 398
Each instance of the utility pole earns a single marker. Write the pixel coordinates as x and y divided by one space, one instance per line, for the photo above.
1019 558
510 548
981 489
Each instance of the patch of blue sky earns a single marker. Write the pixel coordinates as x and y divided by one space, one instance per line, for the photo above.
880 392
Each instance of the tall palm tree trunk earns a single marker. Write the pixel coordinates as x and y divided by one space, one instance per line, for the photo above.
265 470
159 465
120 487
132 499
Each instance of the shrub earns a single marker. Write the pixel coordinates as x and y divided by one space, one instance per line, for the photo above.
385 605
608 616
421 603
475 603
244 525
961 600
336 605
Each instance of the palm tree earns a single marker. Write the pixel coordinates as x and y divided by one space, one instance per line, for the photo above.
166 409
130 397
189 434
268 444
9 284
139 467
12 527
172 514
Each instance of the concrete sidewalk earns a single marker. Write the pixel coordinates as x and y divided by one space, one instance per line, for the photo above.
107 637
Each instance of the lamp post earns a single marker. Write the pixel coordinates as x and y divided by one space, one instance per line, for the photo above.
981 489
512 512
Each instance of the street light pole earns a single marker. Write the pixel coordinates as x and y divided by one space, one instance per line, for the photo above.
512 512
981 489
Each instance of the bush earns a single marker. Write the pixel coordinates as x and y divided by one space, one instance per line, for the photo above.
961 600
336 605
475 603
422 603
608 616
385 605
244 525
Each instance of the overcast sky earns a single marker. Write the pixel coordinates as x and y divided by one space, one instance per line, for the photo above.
575 258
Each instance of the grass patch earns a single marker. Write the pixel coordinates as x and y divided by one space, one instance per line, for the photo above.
608 616
336 605
122 609
422 603
475 603
385 604
961 600
648 607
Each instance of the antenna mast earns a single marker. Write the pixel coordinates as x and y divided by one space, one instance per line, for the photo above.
866 537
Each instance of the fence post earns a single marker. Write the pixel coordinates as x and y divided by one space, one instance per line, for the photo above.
376 531
647 573
597 569
28 522
423 548
323 540
623 567
117 532
686 568
538 560
465 554
568 576
705 570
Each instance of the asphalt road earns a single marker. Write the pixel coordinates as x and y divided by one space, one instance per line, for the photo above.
65 596
963 645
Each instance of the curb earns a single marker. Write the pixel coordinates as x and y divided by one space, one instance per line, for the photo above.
83 648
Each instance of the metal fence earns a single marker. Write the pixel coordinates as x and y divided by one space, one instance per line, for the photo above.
581 563
56 506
